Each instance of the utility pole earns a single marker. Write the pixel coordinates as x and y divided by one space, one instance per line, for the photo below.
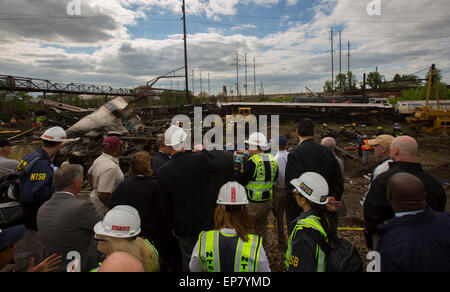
246 93
193 83
188 97
201 86
332 63
209 88
349 77
340 60
237 75
254 76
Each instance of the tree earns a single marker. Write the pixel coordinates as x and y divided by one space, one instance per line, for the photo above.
328 87
375 79
341 80
407 80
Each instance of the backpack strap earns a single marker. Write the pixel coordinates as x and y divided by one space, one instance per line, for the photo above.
319 239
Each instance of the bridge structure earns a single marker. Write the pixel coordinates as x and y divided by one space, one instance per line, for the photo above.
27 84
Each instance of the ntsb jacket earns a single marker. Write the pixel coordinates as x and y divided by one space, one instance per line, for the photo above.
37 187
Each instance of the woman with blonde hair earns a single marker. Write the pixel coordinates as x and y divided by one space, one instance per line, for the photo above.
141 191
118 232
230 247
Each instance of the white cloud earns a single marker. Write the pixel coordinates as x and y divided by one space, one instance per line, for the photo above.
291 2
404 39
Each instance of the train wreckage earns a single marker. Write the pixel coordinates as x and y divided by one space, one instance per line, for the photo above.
139 127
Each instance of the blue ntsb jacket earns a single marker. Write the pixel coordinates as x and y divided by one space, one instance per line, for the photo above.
37 187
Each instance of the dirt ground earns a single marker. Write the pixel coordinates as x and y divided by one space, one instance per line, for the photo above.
433 155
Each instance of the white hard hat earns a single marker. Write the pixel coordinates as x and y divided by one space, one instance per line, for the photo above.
313 187
232 193
174 136
55 134
257 139
120 222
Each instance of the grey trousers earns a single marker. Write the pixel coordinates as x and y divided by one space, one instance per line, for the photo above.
280 210
26 248
257 215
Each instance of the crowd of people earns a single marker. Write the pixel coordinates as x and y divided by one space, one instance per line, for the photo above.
190 210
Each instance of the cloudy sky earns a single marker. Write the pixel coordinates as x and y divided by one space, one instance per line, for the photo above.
125 43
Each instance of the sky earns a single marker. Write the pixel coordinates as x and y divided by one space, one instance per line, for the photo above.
126 43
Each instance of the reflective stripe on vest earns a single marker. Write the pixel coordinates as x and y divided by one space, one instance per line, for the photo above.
257 187
366 145
309 222
246 256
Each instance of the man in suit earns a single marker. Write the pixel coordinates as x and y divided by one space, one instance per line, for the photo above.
65 223
163 155
184 181
309 156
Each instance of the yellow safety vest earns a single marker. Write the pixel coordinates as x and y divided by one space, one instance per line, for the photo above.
259 189
246 256
308 222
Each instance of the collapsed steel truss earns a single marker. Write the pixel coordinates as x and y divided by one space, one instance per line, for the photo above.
15 83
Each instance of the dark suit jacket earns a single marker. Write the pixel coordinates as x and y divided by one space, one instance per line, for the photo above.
184 181
310 156
65 224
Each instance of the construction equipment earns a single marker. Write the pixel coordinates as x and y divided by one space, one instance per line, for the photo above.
244 111
429 120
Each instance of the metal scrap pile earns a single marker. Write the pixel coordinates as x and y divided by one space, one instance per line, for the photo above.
115 118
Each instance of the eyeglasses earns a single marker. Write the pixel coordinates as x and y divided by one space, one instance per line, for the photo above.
99 239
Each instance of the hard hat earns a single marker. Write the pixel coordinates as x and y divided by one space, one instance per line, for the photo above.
120 222
232 193
257 139
312 186
354 124
174 136
55 134
325 124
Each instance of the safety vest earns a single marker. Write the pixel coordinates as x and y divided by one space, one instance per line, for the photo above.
260 188
308 222
246 255
365 145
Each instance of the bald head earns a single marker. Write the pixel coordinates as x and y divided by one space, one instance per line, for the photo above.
121 262
406 192
404 148
329 142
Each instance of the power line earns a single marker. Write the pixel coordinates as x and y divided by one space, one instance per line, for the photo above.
294 16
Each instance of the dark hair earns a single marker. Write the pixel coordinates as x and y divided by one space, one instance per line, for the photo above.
306 127
325 220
